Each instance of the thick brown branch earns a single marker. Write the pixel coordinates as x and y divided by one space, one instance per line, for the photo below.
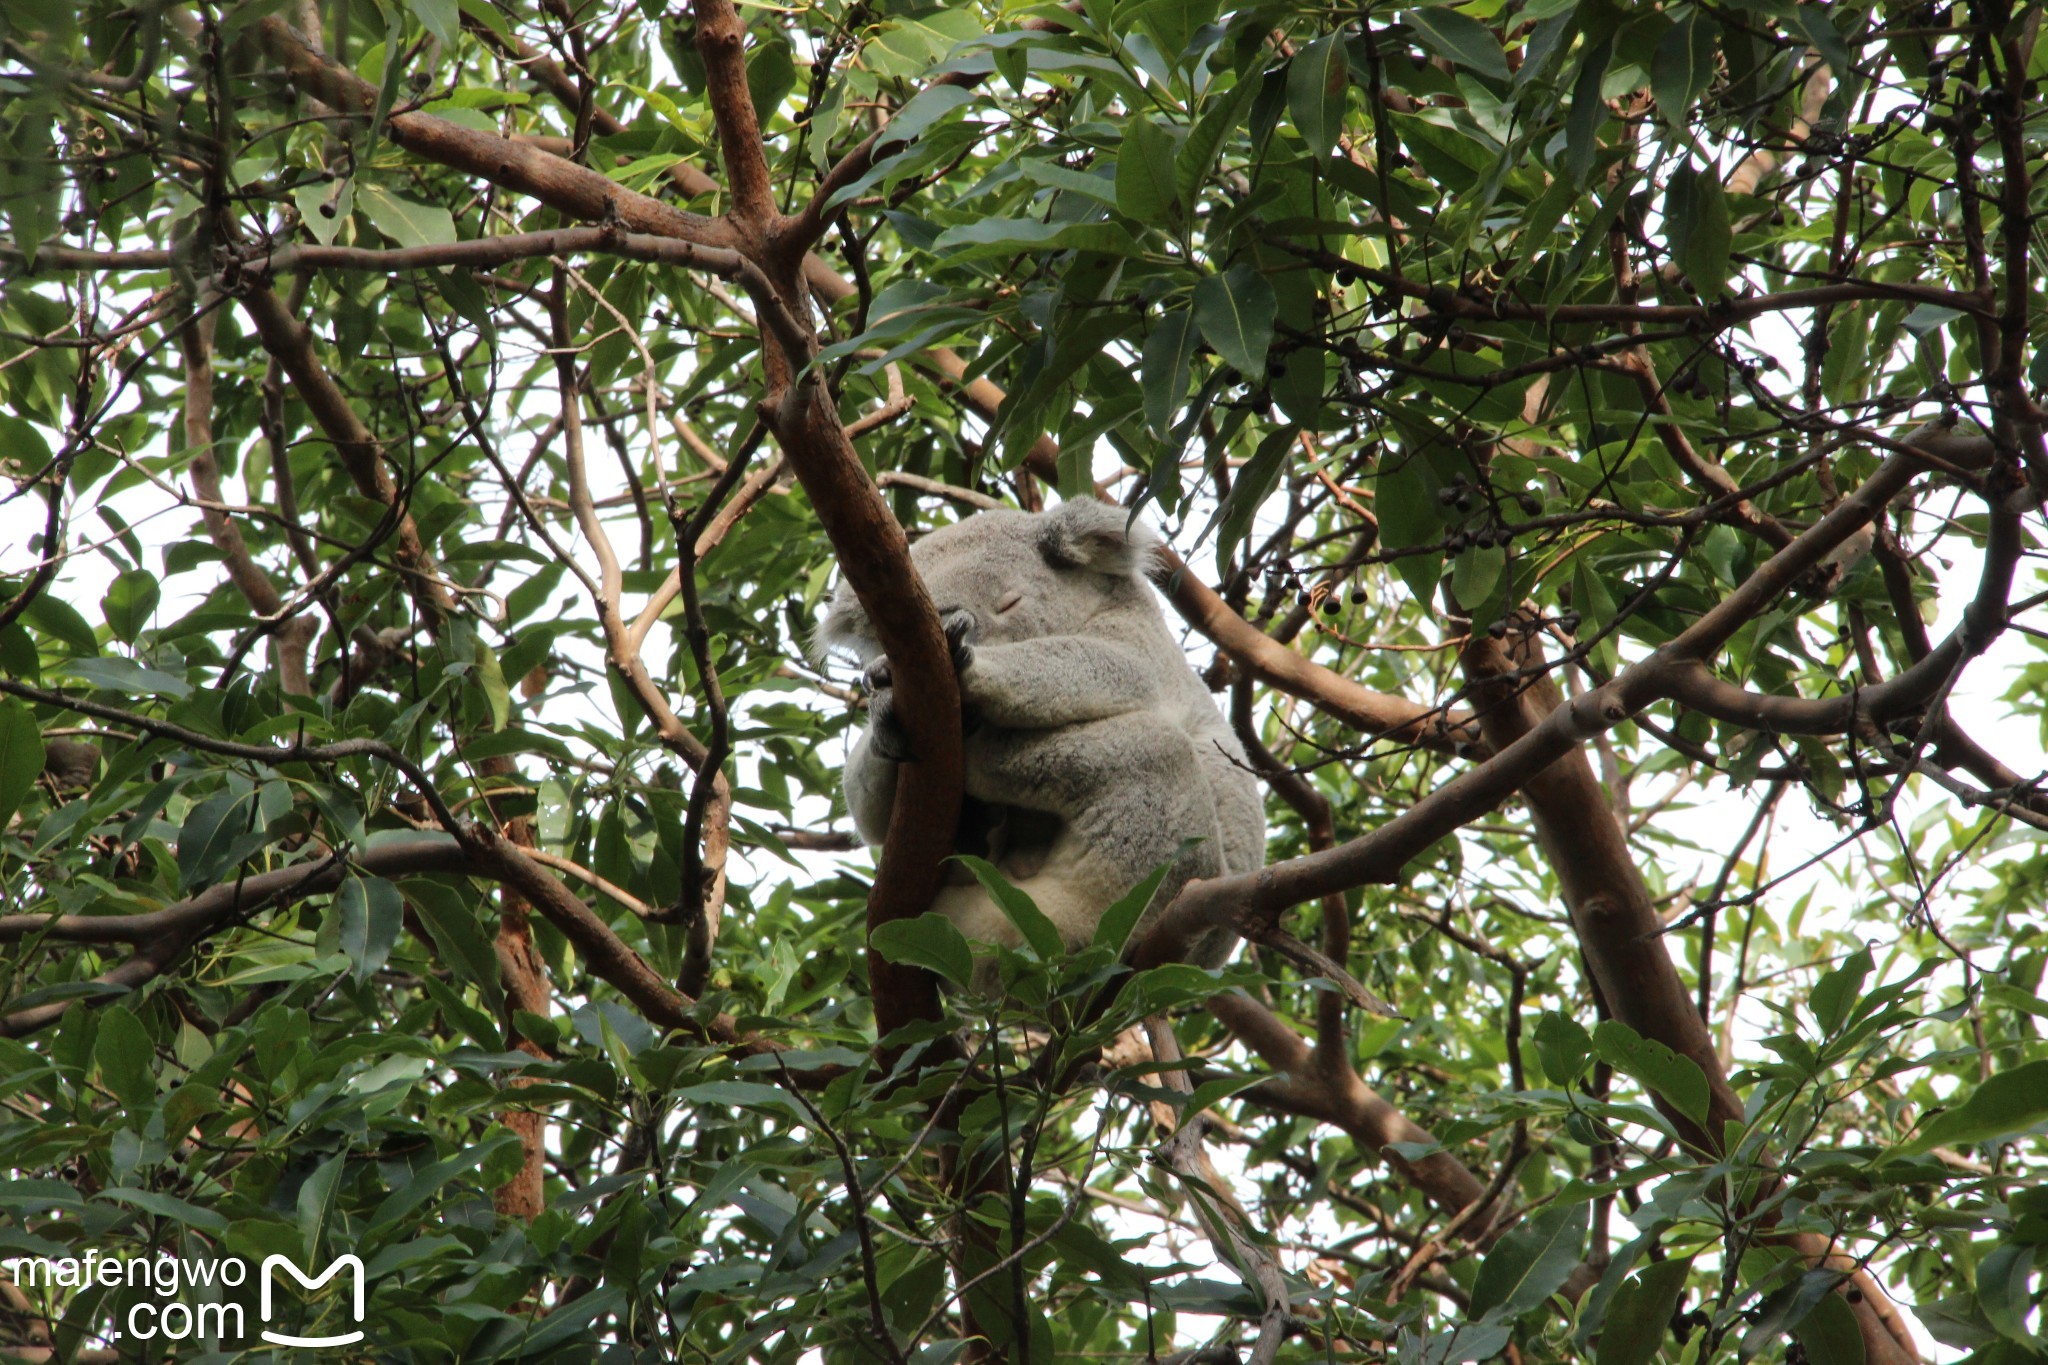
1377 714
483 252
218 904
561 184
608 956
1340 1099
722 43
1379 856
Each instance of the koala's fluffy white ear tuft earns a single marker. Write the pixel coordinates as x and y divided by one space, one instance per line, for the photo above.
844 630
1085 534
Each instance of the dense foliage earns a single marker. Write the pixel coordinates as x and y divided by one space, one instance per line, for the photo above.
1603 440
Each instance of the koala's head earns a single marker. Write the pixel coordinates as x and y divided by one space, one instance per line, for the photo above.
1023 575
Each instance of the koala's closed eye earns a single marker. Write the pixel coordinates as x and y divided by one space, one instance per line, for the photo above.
1008 601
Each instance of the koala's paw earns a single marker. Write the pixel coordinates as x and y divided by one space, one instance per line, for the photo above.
879 677
960 628
887 739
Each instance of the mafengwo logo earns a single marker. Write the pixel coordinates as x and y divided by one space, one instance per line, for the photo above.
272 1264
184 1300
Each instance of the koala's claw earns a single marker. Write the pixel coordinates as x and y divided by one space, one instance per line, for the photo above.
960 628
887 738
879 676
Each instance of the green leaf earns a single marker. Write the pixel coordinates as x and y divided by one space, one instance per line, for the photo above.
322 215
372 912
2010 1102
1206 139
1318 80
1696 213
125 675
1588 111
130 601
1145 188
1408 519
1473 576
217 835
1038 931
929 941
1007 236
1459 38
1677 1079
1249 490
21 757
442 18
126 1058
1785 1310
1563 1047
1829 1333
61 621
1820 30
1640 1315
1113 930
491 677
1683 65
771 74
467 297
460 940
406 221
481 1028
1928 318
1165 367
487 14
923 112
1593 1308
431 1178
1531 1263
167 1206
1235 311
2003 1292
749 1094
1835 994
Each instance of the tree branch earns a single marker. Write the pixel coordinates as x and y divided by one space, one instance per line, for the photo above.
560 184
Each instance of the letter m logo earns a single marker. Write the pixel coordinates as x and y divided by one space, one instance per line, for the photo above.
352 1264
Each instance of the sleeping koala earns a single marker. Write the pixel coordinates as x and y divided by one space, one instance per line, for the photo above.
1093 751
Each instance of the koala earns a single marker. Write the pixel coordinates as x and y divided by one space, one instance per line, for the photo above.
1094 754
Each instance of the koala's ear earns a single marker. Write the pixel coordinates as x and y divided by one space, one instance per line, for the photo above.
1085 534
845 630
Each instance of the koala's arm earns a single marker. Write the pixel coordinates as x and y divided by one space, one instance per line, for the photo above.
870 783
1060 680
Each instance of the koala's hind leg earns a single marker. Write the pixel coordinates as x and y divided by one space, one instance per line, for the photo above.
1129 789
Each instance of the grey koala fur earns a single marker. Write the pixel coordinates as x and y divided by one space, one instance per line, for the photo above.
1093 751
